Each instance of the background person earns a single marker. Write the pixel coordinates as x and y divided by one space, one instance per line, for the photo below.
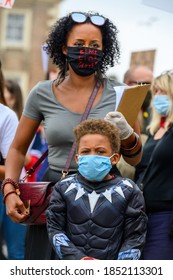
60 104
13 97
14 100
93 214
154 174
141 74
12 234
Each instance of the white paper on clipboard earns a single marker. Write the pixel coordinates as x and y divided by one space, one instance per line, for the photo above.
119 92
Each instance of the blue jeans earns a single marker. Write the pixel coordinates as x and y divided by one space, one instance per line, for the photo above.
13 235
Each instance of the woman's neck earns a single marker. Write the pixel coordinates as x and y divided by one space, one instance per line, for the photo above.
78 82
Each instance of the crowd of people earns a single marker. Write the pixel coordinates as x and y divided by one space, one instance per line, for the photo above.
95 212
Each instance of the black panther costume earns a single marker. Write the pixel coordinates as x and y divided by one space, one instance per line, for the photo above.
104 220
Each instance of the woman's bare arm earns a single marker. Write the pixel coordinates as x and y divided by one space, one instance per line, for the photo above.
14 163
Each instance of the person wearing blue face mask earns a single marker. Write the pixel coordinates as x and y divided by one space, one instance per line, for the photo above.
93 214
154 173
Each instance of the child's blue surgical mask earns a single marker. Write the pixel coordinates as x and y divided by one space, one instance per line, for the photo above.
93 167
162 104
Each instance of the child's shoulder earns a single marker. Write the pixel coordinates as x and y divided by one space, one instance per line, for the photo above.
129 183
124 182
125 186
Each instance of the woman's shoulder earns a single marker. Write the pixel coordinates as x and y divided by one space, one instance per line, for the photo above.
42 88
45 84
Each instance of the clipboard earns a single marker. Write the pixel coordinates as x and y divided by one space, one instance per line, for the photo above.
131 101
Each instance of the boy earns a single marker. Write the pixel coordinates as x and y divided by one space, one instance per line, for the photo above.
92 214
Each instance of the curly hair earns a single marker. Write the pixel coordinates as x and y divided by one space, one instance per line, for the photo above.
57 38
98 126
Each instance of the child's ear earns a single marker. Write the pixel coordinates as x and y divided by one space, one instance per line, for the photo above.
115 159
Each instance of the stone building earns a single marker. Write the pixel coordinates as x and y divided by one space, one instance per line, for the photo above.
23 30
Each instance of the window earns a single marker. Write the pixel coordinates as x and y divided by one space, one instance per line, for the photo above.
16 28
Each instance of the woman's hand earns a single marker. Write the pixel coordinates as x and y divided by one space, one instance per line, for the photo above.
15 208
119 120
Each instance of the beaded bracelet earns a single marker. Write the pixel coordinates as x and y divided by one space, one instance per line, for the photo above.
7 194
9 181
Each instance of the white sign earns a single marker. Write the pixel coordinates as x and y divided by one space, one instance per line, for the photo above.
7 3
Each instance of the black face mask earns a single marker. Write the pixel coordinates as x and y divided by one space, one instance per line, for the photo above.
84 61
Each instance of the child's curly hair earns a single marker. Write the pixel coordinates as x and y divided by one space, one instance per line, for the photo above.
98 126
57 38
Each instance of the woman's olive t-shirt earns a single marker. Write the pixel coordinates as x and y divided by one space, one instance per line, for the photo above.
58 121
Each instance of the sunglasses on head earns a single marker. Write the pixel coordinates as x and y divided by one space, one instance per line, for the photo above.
81 18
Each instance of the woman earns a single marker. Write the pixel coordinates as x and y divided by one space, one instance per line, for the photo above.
155 171
82 46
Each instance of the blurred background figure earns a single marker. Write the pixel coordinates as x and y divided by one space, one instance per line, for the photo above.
13 97
154 173
14 100
140 74
12 237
